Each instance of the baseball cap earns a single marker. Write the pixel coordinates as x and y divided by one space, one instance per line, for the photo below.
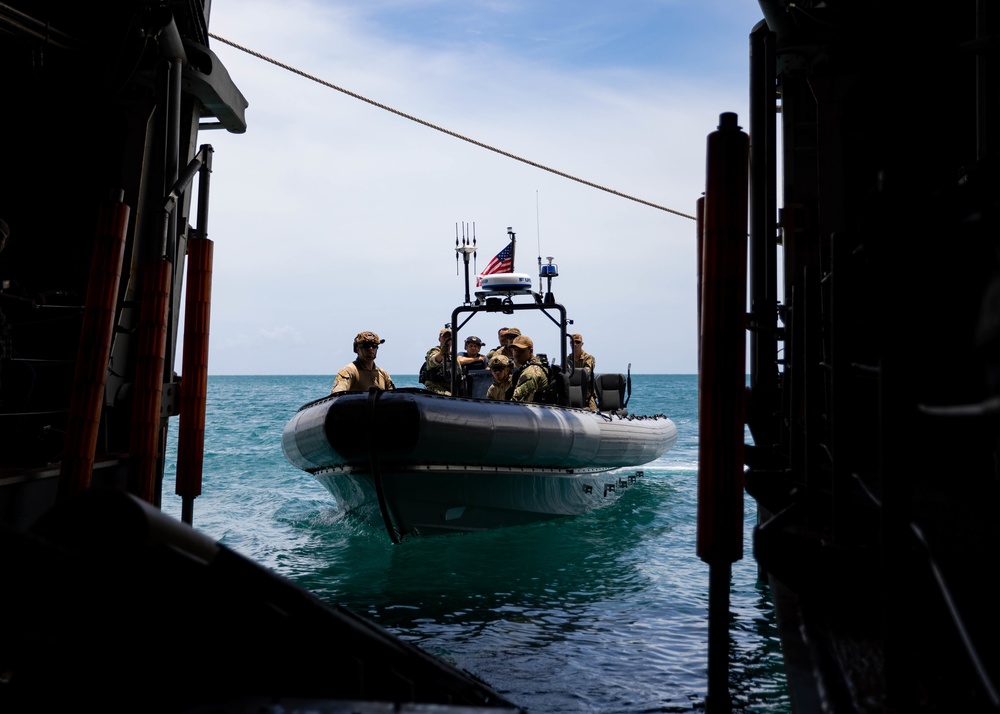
367 337
513 332
473 338
445 331
523 341
576 336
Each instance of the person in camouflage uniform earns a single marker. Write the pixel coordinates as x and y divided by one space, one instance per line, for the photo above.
532 378
504 348
501 333
584 359
437 362
501 367
362 373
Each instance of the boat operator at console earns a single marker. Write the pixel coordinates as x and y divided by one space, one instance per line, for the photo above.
584 359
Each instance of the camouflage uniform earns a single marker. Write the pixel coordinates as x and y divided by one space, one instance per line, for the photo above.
435 368
498 390
587 360
512 332
531 380
357 378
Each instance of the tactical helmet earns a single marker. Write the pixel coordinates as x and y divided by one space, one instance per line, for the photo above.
363 337
499 360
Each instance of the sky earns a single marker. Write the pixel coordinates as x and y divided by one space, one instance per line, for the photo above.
332 215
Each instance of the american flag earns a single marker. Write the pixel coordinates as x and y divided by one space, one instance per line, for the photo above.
502 262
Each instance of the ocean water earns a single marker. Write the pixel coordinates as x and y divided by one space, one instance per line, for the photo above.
605 612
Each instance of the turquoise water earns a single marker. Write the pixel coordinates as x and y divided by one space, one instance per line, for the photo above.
605 612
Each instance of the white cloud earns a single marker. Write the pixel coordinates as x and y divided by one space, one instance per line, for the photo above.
331 216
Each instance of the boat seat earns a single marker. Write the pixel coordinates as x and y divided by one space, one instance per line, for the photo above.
558 390
477 383
610 392
579 386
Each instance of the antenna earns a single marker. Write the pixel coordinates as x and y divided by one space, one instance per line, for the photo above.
538 231
465 248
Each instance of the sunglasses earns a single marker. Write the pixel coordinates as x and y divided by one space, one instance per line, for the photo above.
369 345
497 369
577 342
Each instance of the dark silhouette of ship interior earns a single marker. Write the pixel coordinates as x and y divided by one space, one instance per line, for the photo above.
874 343
108 604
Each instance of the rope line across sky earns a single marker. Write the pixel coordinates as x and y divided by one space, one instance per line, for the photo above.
448 131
